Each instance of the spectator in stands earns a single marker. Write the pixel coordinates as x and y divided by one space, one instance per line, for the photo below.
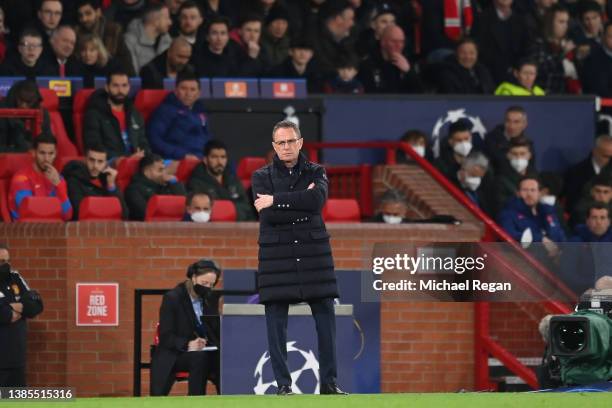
454 149
27 62
588 34
198 207
92 178
597 226
583 265
40 179
551 186
219 8
167 64
578 176
62 60
151 179
178 128
345 81
534 17
497 141
418 141
190 23
523 82
275 40
94 58
382 16
215 178
3 40
389 71
246 39
19 304
48 19
300 64
333 40
527 220
513 169
463 74
597 71
599 190
474 179
551 52
392 209
185 328
123 12
112 121
147 37
503 38
92 21
15 136
443 24
217 59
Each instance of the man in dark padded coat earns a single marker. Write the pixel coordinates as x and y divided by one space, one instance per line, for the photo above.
295 259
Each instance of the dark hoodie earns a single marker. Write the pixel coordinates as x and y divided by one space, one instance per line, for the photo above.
14 137
232 189
102 128
81 185
141 189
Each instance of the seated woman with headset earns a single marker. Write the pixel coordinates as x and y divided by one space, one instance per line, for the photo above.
189 332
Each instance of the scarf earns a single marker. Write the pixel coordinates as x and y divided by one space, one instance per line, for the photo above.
453 20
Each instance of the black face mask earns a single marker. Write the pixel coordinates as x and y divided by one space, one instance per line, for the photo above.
5 272
201 291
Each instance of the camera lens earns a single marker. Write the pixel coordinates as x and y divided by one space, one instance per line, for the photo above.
571 337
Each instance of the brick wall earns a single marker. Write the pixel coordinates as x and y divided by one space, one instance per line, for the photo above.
98 360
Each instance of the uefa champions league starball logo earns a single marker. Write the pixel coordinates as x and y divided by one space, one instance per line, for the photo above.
305 379
451 117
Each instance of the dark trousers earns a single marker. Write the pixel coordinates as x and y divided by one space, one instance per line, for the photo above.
200 364
13 377
325 321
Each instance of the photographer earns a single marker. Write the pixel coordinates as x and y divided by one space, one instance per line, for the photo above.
92 178
185 329
17 303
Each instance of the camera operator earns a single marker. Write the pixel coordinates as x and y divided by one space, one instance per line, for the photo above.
17 303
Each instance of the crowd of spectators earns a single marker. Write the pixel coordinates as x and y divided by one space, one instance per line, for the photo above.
506 47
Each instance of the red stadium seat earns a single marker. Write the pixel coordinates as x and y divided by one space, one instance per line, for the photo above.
65 147
165 208
4 194
341 210
61 162
147 100
180 375
223 211
40 209
246 167
126 169
100 209
185 168
11 162
78 112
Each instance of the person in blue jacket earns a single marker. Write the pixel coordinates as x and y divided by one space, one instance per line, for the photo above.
587 258
178 128
527 220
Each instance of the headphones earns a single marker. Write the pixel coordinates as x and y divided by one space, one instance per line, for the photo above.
203 265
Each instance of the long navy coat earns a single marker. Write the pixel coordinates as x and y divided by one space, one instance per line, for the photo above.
295 258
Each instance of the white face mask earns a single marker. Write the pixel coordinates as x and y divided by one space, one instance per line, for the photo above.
519 164
392 219
548 199
420 150
472 183
200 216
463 148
